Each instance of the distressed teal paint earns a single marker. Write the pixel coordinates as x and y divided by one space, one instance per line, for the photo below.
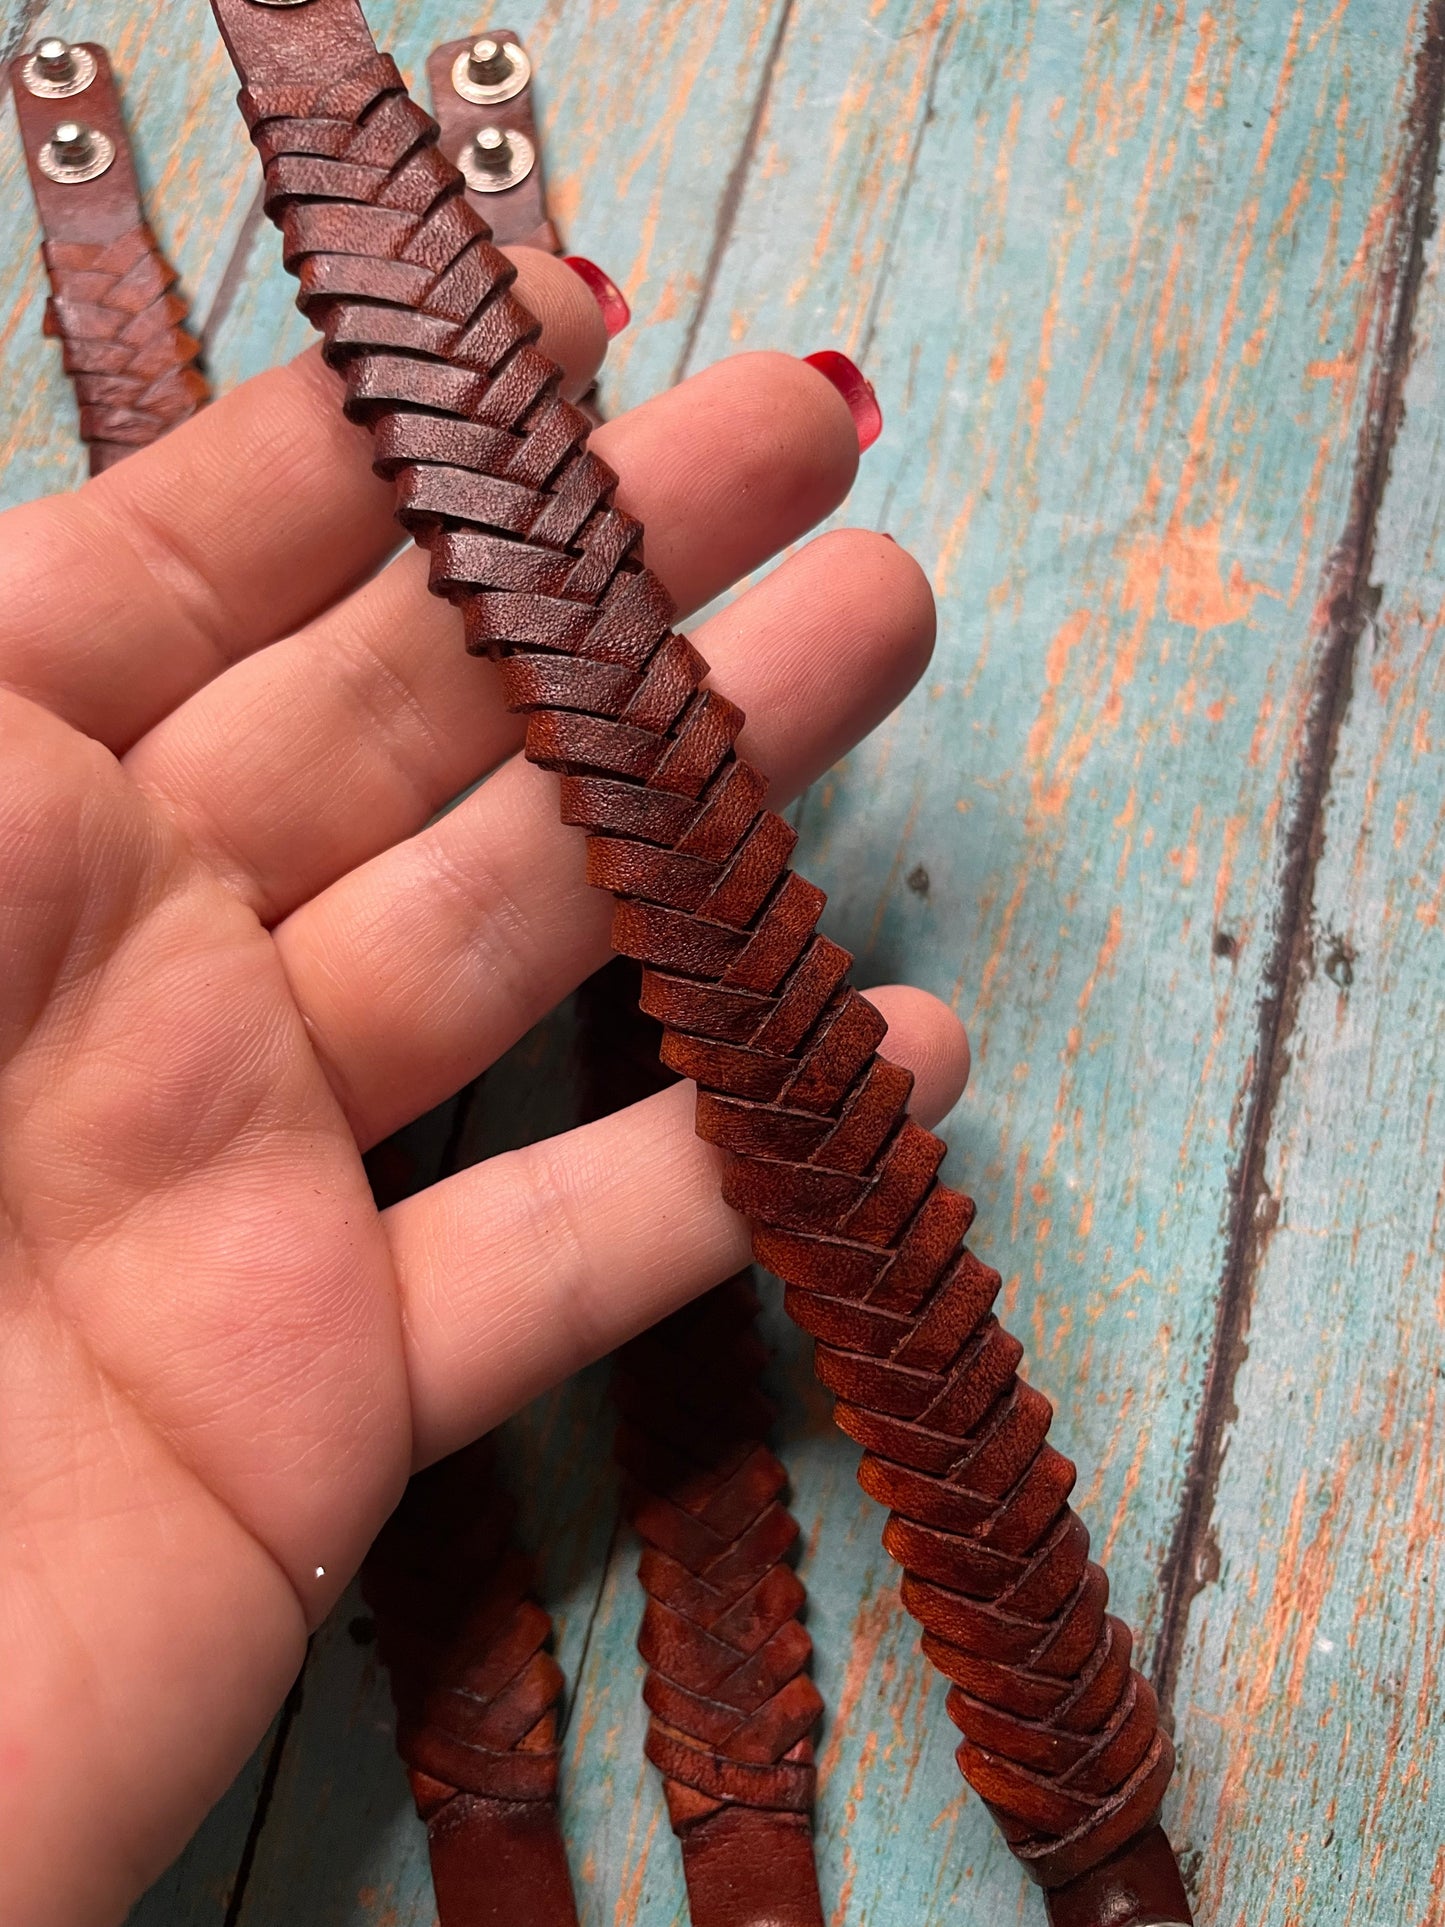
1312 1686
1125 373
1120 275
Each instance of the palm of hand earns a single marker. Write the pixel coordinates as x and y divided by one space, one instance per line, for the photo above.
236 954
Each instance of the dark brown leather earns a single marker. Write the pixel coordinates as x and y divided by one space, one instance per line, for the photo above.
1061 1735
476 1694
732 1707
1137 1887
518 215
113 304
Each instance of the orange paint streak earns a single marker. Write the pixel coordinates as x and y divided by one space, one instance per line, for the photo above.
877 1616
1434 1914
1186 563
1311 1584
1196 91
993 963
1131 1486
1050 795
634 1869
1233 831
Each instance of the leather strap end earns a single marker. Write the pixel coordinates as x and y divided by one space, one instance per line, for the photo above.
749 1868
1138 1887
500 1863
516 215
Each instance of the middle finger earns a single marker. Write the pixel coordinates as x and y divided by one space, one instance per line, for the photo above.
367 721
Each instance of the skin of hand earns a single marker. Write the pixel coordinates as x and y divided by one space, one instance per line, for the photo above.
238 946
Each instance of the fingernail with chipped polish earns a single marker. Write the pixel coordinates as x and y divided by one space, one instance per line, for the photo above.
855 388
604 291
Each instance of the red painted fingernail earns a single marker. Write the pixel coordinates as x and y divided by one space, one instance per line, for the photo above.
604 291
855 388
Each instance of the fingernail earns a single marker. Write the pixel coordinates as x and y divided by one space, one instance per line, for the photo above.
856 390
604 291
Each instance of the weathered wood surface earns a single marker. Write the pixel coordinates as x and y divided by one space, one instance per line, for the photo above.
1166 823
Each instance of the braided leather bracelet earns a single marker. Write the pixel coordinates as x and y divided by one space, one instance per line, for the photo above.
732 1706
476 1695
464 1638
1061 1736
113 303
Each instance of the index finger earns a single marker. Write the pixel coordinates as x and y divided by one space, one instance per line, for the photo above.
121 599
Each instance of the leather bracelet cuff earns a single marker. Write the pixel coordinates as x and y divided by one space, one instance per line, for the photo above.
1061 1736
113 304
477 1694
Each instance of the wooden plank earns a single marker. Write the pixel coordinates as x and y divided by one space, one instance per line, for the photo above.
1311 1687
1128 321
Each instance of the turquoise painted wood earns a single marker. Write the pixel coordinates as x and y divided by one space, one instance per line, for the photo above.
1314 1663
1129 281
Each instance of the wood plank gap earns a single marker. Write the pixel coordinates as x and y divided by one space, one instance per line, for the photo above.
732 196
941 48
1348 601
289 1710
574 1684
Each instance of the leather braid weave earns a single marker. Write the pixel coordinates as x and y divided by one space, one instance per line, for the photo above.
493 476
476 1691
732 1706
114 309
113 304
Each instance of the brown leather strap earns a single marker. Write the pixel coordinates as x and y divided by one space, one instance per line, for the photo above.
516 215
476 1694
722 1636
113 303
492 1859
732 1706
1061 1735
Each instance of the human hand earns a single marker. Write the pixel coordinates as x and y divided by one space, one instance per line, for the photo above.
237 951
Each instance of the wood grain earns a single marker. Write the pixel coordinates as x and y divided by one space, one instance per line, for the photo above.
1130 316
1129 281
1311 1688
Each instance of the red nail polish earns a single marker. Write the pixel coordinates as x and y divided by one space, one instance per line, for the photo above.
856 390
604 291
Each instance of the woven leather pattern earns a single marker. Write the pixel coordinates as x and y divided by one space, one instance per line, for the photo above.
114 309
475 1687
732 1705
477 1695
493 476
